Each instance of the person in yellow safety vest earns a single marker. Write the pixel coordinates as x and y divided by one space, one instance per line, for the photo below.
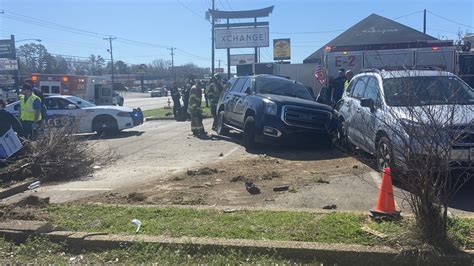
348 76
30 110
194 109
215 91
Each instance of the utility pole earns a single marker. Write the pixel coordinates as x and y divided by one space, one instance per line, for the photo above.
219 67
110 39
424 21
172 63
212 45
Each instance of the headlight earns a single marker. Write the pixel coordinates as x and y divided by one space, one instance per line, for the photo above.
271 107
123 114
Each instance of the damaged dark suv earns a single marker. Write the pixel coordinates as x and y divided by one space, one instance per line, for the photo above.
272 109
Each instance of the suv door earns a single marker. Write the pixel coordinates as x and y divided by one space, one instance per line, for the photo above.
370 118
241 103
234 96
354 122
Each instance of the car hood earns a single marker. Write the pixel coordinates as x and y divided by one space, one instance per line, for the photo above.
111 108
296 101
461 114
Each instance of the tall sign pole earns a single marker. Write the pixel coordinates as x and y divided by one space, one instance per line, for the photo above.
424 21
228 55
15 72
213 22
256 49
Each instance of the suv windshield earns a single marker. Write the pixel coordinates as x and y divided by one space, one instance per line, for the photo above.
282 87
429 90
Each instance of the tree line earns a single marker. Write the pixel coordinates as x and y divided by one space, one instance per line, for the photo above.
35 58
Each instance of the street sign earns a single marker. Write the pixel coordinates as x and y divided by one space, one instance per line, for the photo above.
8 64
238 59
281 49
242 37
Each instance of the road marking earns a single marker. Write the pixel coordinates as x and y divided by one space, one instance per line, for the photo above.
230 152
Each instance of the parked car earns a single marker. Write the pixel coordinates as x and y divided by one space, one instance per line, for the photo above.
117 99
159 92
268 108
63 109
383 110
8 94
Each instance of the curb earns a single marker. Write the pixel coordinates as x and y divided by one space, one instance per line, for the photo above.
333 253
16 189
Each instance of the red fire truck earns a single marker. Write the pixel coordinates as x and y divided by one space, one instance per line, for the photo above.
90 88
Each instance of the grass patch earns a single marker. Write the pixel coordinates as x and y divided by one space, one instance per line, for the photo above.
176 222
168 113
41 251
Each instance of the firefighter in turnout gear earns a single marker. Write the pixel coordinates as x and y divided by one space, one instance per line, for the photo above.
215 91
194 109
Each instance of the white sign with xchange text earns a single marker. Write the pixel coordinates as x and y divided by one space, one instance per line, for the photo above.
242 37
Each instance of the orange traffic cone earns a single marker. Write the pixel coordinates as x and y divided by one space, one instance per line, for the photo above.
385 207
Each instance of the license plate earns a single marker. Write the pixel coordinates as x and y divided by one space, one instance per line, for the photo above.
461 154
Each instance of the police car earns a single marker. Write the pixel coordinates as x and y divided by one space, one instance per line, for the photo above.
65 109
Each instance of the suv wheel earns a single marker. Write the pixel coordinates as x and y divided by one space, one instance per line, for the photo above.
249 133
221 128
384 154
341 136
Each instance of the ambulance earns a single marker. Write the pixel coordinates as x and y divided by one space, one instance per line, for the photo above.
91 88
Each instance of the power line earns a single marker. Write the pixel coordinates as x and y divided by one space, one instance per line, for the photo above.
189 9
44 23
228 3
407 15
308 32
450 20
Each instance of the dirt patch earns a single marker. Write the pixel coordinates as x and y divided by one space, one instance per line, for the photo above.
33 201
202 171
224 183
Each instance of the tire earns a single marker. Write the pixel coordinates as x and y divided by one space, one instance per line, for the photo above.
341 136
249 133
221 128
105 125
384 155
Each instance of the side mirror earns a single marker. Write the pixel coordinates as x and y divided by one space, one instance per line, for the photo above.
366 102
248 91
71 106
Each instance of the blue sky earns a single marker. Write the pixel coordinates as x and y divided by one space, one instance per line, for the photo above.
181 24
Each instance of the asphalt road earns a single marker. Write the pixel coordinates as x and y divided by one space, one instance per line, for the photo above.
148 153
144 100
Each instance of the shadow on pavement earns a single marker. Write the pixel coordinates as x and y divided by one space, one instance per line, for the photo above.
119 135
298 150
